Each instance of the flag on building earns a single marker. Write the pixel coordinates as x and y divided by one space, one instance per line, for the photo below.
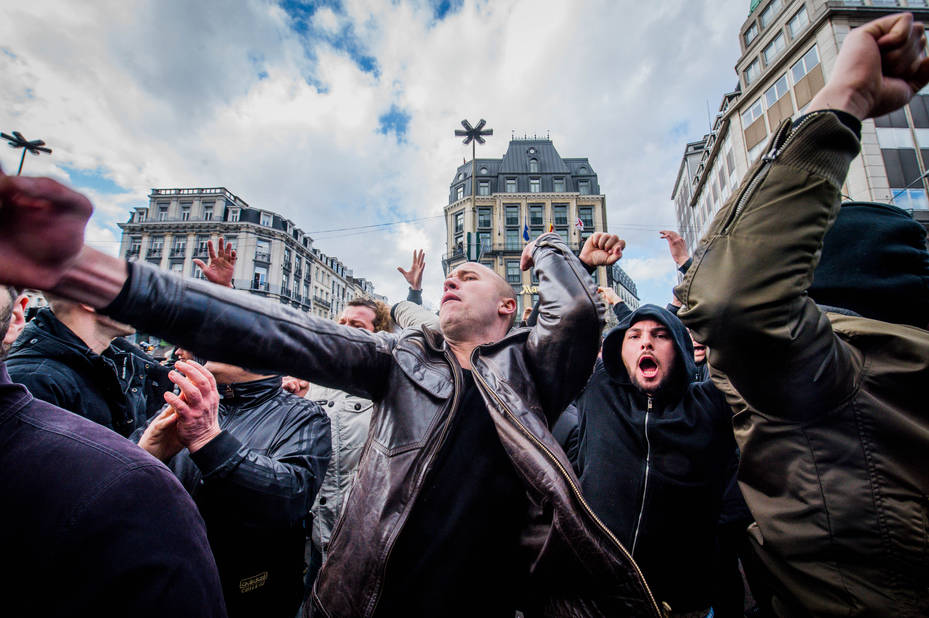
551 226
579 224
526 232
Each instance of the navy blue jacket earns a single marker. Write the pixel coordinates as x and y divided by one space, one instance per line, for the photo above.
91 525
656 476
119 389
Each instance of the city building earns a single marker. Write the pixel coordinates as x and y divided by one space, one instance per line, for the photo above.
789 48
275 258
530 190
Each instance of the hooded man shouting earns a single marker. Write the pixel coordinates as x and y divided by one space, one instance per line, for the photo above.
653 454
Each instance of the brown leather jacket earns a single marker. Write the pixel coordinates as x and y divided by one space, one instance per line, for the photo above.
577 566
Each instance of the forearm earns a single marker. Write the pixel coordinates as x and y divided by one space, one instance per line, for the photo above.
567 333
408 314
235 327
94 279
744 295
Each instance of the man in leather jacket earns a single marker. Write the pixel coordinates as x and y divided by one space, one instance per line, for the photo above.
254 459
522 380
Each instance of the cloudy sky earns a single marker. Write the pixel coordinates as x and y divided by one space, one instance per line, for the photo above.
340 114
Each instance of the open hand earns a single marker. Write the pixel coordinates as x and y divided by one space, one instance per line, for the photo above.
414 276
602 249
221 268
676 245
41 230
197 407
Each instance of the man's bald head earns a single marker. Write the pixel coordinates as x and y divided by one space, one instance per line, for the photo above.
477 304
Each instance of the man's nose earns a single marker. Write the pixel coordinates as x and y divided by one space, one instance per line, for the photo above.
450 284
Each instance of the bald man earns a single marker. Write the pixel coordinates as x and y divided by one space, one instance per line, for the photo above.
464 503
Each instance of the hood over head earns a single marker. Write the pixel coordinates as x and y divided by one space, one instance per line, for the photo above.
683 346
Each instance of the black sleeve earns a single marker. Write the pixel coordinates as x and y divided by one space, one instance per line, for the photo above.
621 311
415 296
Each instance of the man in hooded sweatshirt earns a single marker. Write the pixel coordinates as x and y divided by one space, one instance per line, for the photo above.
653 455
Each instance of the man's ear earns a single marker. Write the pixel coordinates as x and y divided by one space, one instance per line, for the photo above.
507 307
17 319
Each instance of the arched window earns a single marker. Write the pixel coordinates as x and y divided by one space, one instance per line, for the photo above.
533 166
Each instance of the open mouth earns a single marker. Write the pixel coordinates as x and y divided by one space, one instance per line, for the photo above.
448 297
648 367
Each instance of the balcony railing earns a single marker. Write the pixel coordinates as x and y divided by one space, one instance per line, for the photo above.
133 252
178 252
262 256
286 267
154 253
201 252
321 301
261 286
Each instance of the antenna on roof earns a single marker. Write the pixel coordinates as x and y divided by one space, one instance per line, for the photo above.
708 121
548 134
512 134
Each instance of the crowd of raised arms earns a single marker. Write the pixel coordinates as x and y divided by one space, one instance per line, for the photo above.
758 447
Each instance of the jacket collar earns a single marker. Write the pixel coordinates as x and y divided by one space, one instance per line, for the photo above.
249 394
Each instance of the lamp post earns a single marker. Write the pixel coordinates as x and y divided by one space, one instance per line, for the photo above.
18 141
473 136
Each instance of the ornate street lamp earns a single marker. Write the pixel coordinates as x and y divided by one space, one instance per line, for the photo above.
33 147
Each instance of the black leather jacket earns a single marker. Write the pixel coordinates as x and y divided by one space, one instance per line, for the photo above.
526 380
254 484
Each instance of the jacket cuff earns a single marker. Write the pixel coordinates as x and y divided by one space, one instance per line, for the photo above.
683 268
121 298
821 145
415 296
216 453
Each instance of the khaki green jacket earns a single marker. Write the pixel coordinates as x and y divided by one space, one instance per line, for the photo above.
830 411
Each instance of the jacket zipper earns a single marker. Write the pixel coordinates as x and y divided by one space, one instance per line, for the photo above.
456 376
567 477
787 134
648 457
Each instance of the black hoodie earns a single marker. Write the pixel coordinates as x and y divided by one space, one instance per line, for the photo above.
656 475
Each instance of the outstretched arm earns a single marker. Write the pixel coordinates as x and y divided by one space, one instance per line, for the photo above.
414 276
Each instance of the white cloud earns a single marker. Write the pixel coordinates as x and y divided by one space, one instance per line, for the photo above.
165 93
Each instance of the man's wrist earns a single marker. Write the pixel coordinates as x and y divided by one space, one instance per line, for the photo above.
848 100
201 441
94 279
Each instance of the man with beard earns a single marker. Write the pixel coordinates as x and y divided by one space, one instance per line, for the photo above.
75 358
653 451
92 526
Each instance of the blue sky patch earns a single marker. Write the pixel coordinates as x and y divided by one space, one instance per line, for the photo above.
93 179
346 40
442 8
395 121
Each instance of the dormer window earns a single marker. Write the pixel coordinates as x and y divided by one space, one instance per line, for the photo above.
533 166
266 219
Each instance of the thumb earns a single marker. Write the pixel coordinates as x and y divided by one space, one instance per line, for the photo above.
200 264
402 272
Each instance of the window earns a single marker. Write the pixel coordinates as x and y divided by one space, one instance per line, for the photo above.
558 184
158 242
162 212
511 185
483 187
535 214
263 250
483 239
773 94
202 247
752 72
232 242
260 278
885 2
586 215
459 192
583 187
287 258
135 245
180 247
535 185
459 222
207 210
560 214
798 22
773 49
285 285
513 274
770 13
177 267
233 215
483 217
140 216
749 35
752 113
533 166
512 240
804 65
266 219
512 214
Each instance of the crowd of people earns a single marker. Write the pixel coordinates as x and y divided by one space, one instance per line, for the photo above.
764 427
